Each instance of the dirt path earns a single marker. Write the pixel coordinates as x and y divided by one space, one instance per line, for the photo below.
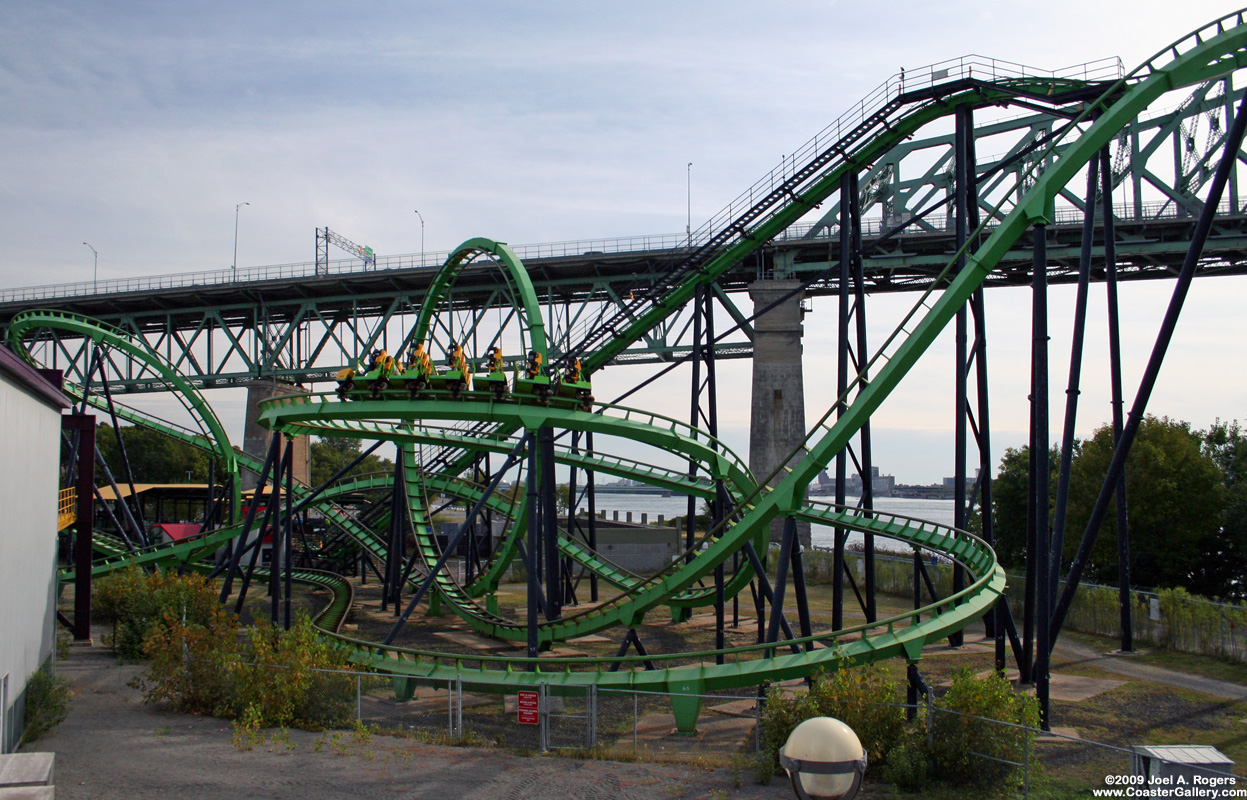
113 747
1124 665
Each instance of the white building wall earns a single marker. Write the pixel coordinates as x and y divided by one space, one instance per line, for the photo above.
29 462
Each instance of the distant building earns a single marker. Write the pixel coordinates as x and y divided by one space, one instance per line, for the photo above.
883 485
950 484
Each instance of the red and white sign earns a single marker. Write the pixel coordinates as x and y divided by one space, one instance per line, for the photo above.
529 706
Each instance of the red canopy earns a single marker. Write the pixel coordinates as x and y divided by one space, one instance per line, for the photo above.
177 531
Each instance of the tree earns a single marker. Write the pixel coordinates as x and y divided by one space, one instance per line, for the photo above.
1174 500
1175 497
154 457
332 454
1226 445
1009 491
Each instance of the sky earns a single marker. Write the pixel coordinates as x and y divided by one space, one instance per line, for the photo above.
139 126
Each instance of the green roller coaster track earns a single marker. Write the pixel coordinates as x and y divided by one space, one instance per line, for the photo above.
107 335
1216 50
528 308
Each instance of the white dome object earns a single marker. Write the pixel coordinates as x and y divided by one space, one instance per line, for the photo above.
824 759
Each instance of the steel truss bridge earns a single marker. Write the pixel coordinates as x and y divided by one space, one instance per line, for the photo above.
304 322
1091 139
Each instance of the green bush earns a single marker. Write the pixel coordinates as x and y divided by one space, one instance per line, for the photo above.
864 698
47 703
868 701
274 675
191 663
134 601
199 663
295 677
959 740
907 766
781 713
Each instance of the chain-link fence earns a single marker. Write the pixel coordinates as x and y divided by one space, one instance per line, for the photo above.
1171 618
723 727
548 716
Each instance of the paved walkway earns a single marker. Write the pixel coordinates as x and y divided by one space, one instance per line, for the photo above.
1126 665
114 747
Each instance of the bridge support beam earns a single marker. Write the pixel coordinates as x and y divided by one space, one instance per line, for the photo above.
777 419
256 437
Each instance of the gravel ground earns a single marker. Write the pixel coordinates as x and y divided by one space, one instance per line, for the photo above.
113 746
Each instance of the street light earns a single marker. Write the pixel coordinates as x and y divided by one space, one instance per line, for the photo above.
421 216
688 226
234 266
824 759
95 276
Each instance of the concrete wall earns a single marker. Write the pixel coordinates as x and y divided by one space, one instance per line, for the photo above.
256 437
30 431
638 549
777 417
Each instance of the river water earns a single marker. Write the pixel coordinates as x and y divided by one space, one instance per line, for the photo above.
940 511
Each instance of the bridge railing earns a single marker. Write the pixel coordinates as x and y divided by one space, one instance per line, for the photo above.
1065 215
433 260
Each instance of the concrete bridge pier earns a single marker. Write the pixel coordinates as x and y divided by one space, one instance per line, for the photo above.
777 419
256 437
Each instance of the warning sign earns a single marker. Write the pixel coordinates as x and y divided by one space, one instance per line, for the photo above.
528 708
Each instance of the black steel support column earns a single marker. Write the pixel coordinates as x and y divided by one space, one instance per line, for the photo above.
789 544
1114 362
393 551
1042 479
798 588
847 190
961 209
917 584
573 523
534 547
915 687
590 491
84 524
288 534
704 415
694 413
718 506
1199 237
126 511
765 595
865 456
266 526
550 523
277 558
1072 388
240 542
993 622
125 456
